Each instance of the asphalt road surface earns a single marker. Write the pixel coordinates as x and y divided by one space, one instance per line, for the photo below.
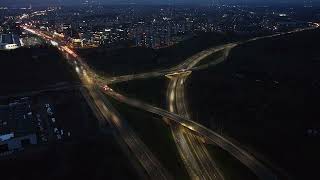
192 150
247 159
149 162
189 143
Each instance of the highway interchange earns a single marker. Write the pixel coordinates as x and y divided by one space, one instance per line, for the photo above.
197 160
147 160
187 134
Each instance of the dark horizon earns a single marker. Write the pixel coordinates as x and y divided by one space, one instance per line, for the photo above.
19 3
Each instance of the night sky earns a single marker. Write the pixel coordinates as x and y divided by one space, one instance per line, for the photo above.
76 2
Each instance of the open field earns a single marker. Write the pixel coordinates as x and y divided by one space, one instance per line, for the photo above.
266 96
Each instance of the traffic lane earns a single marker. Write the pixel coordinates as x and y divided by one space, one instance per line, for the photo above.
207 167
146 158
187 156
247 159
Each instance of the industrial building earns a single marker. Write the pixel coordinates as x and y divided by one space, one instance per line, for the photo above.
17 129
9 41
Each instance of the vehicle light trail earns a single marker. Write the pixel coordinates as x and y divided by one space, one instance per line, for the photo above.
147 160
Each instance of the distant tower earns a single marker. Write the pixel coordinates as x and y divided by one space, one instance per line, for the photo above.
308 3
215 3
172 4
30 6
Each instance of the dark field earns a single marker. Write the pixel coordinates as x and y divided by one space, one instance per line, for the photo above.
33 69
136 60
230 167
157 136
87 154
152 91
266 96
91 158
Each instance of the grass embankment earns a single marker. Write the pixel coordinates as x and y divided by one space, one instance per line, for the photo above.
211 58
28 69
95 158
156 135
266 96
231 168
152 91
115 62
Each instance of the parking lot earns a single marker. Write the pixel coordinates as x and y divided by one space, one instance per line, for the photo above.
63 116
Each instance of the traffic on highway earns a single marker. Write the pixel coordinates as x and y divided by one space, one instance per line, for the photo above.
153 168
190 137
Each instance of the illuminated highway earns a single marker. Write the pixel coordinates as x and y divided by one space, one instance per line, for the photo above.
152 166
193 151
191 62
195 155
185 131
195 59
247 159
187 65
140 150
189 146
196 158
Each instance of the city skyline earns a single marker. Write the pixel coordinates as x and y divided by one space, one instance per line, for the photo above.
159 89
180 2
